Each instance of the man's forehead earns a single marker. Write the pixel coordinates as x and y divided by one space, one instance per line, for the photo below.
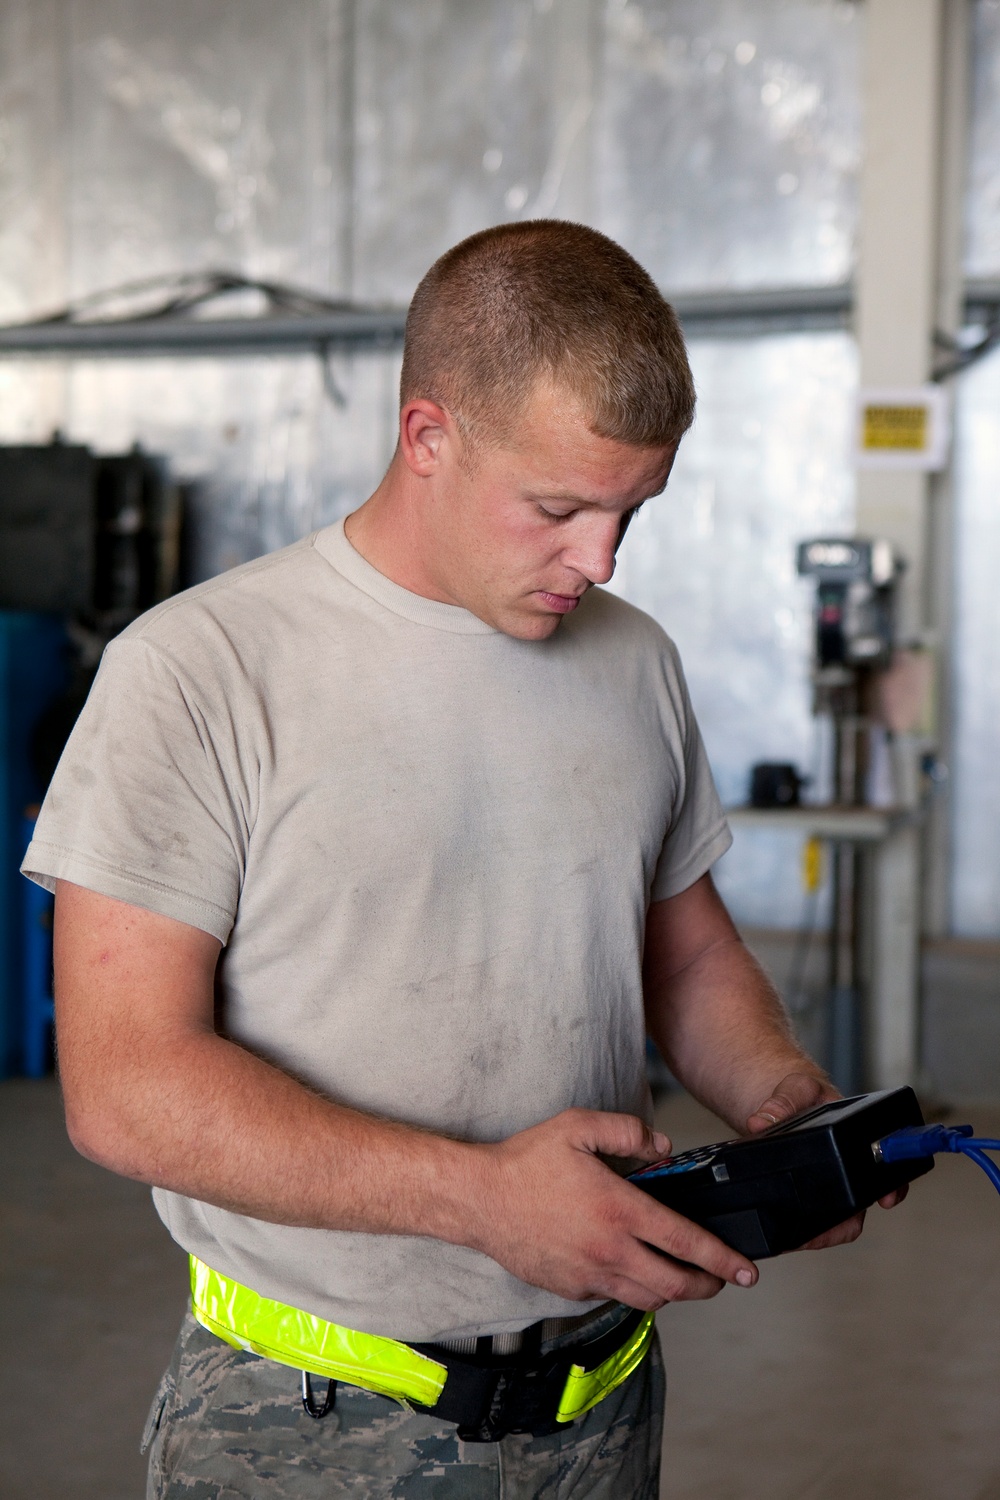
571 494
553 435
550 406
596 472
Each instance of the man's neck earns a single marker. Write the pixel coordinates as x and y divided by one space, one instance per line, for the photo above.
387 533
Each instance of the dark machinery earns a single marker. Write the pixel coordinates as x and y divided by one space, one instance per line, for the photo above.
86 536
853 620
853 638
87 542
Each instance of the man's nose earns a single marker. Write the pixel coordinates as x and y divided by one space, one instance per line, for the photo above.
593 554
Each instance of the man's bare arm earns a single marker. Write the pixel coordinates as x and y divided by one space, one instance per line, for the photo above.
154 1093
721 1027
715 1015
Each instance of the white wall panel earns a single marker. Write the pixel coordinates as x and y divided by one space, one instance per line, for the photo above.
34 112
713 559
199 139
267 455
982 218
976 648
207 136
975 783
468 114
729 137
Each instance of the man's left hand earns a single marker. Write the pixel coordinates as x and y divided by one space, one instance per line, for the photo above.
794 1094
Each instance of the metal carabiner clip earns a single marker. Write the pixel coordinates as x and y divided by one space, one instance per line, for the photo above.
309 1403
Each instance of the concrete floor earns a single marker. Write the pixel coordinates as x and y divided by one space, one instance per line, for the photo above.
870 1371
92 1290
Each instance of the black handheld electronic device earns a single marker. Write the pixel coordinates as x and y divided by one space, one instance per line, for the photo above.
775 1191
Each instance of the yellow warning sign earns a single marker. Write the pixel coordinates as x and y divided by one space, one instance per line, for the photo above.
902 427
896 428
812 865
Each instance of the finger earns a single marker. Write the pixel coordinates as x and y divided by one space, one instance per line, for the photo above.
679 1238
632 1293
892 1199
664 1279
842 1234
795 1093
618 1135
779 1106
764 1118
651 1299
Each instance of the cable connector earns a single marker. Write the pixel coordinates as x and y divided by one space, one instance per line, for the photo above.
927 1140
920 1140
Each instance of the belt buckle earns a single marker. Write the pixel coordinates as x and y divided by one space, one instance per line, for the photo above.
490 1397
514 1393
517 1402
491 1428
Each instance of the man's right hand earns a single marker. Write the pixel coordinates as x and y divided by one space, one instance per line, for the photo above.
558 1217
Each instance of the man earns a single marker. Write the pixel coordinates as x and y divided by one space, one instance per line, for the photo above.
375 860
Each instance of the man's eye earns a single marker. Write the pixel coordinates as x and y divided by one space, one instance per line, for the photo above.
556 515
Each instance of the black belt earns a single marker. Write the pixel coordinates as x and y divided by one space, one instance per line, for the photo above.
491 1396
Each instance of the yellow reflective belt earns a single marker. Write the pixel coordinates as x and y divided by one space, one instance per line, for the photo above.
585 1388
248 1321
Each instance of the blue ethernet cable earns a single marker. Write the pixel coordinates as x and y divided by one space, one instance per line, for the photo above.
989 1167
928 1140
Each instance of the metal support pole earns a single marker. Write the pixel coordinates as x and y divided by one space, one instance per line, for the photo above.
911 60
844 1000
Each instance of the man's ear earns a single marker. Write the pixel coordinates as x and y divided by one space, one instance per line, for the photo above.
424 430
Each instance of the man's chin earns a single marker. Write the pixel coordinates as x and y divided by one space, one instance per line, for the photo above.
529 625
539 617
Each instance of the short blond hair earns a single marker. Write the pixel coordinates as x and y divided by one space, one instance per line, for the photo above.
545 297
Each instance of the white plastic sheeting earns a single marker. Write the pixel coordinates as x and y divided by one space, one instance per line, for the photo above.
713 559
199 136
139 139
976 768
467 114
267 454
665 122
33 205
982 217
729 140
343 144
976 647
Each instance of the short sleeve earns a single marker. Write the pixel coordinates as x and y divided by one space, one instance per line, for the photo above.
145 805
698 834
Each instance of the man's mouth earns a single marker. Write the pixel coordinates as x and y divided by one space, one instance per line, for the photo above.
561 604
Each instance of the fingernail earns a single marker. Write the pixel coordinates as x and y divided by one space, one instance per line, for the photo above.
766 1114
745 1278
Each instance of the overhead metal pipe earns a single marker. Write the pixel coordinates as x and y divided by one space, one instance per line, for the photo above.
365 327
739 314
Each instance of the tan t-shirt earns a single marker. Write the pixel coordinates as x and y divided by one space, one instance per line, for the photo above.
429 848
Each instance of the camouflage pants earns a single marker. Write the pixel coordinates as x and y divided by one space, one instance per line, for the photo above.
226 1425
